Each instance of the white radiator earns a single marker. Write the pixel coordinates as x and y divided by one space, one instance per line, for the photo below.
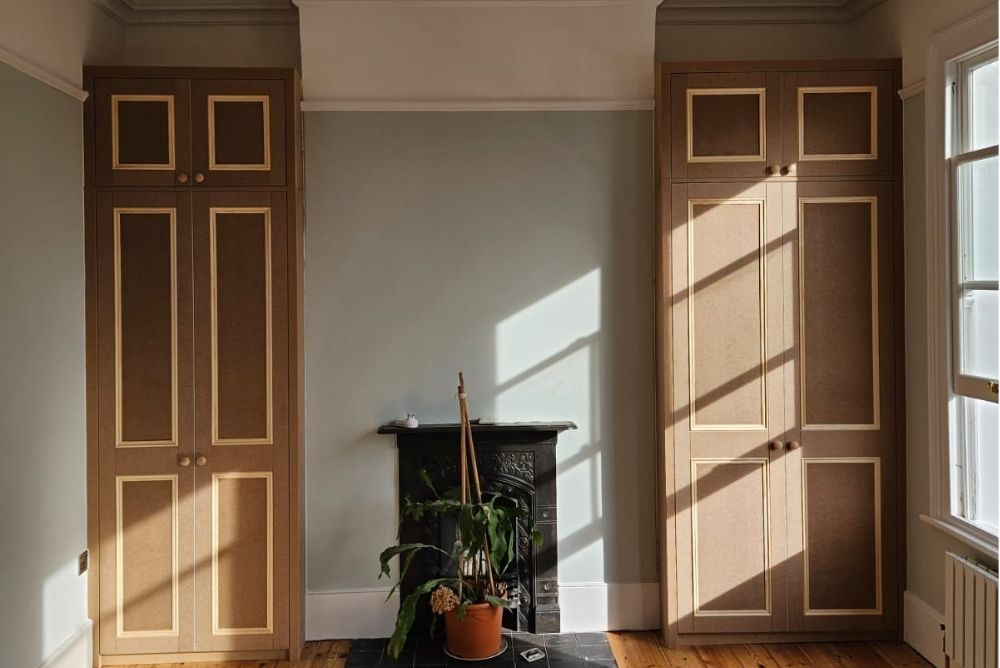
970 638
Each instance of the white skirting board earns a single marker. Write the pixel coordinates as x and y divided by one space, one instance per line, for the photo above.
75 652
588 606
350 613
922 629
609 606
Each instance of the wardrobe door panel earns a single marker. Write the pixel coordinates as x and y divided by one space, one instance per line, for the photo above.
724 125
144 435
142 132
727 357
838 123
841 478
238 132
241 421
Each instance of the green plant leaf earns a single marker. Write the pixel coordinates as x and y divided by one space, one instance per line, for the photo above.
388 553
426 479
407 612
497 601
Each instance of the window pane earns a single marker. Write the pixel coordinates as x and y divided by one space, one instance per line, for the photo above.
983 98
979 435
978 330
977 211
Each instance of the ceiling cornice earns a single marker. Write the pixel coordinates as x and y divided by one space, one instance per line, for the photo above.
204 12
761 11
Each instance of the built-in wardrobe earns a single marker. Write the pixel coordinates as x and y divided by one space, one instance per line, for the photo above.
780 393
194 323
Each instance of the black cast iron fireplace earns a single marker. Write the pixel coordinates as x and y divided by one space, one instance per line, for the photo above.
515 459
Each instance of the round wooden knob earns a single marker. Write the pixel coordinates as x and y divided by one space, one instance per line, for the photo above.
182 177
184 460
201 460
784 172
769 170
776 445
793 445
199 177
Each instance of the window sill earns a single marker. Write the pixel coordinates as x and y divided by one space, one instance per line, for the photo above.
984 545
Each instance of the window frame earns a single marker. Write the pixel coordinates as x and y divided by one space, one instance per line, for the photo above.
950 55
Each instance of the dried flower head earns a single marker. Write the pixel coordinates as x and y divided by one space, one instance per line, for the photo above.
443 599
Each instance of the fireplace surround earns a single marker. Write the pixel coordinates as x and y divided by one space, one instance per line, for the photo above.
516 459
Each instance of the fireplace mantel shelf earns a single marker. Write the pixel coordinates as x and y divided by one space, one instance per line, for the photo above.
494 427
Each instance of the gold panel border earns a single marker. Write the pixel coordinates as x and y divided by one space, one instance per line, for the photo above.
213 165
763 462
120 561
116 163
155 443
226 631
761 94
876 423
762 291
268 439
873 122
876 463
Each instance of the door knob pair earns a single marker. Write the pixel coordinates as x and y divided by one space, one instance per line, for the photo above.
200 460
182 177
791 445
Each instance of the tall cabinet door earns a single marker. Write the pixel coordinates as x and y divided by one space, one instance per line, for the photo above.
728 357
145 439
238 132
724 125
241 421
840 459
838 123
142 129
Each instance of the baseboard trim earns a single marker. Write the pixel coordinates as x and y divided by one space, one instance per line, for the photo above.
922 629
75 652
350 613
586 606
609 606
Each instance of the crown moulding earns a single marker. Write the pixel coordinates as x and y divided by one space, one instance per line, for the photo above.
762 11
200 12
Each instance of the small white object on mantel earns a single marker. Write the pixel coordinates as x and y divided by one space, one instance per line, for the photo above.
410 421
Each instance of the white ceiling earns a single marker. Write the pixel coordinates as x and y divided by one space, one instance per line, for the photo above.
193 12
762 11
196 12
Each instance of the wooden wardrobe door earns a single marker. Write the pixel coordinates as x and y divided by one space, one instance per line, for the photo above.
838 123
842 478
143 133
238 129
728 388
724 124
145 438
241 421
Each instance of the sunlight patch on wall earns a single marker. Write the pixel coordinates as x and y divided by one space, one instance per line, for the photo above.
548 368
550 326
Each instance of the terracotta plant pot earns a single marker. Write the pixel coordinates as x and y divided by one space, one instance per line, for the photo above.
477 635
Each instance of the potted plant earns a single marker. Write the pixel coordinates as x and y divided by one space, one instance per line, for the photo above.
473 599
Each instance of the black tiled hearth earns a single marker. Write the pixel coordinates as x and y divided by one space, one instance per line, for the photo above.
562 650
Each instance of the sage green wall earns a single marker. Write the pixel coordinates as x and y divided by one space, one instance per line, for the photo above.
43 502
514 246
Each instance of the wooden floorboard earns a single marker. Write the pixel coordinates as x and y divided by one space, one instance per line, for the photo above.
642 649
